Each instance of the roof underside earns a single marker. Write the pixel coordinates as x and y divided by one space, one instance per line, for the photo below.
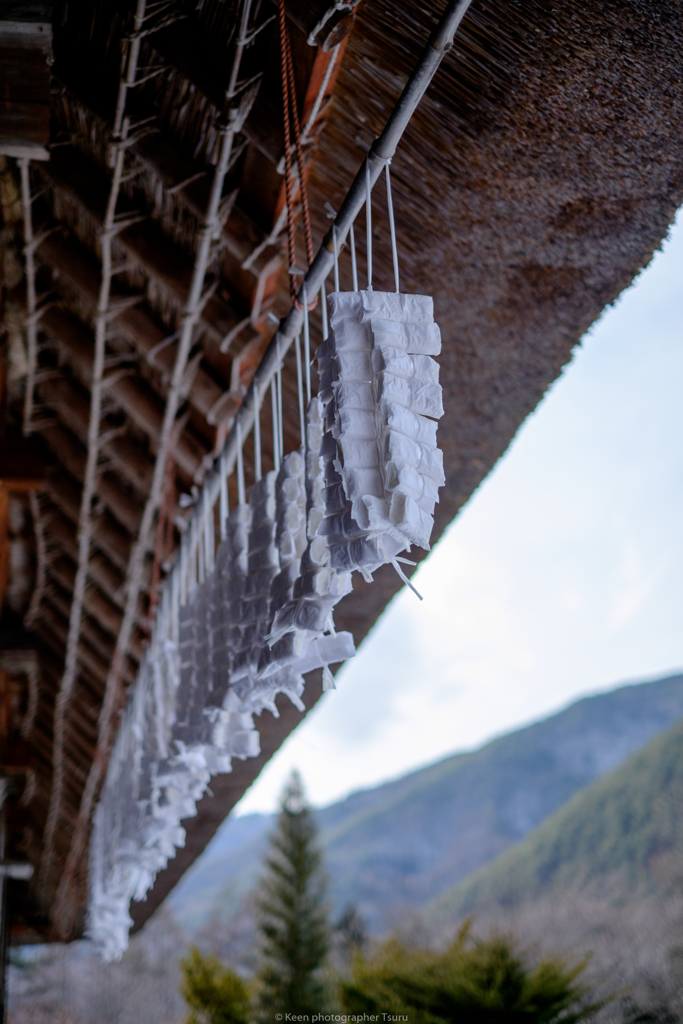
537 178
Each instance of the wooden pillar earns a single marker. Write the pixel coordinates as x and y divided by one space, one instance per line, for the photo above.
4 543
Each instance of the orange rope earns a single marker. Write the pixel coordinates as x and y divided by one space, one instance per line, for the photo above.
291 121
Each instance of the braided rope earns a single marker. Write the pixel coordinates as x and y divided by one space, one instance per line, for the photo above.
291 121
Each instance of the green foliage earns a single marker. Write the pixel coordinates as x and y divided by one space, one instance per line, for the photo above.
214 993
295 934
471 982
607 839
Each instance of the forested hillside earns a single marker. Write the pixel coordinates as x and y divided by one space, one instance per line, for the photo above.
404 843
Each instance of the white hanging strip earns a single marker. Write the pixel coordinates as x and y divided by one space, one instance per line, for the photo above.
280 419
307 346
175 604
223 507
258 468
167 613
241 488
300 390
392 227
276 427
354 265
335 248
184 568
201 549
368 221
209 545
323 313
193 574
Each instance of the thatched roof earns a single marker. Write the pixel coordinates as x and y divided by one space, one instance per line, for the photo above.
539 174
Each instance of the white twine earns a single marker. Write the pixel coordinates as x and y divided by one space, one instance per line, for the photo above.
392 226
335 247
307 346
280 425
241 487
276 430
223 508
209 544
258 468
323 314
368 221
354 265
300 389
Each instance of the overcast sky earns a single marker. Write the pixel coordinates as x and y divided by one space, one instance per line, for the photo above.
562 576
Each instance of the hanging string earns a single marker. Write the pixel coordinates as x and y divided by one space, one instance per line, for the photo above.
211 532
280 424
194 567
276 429
258 468
223 507
208 534
201 551
368 221
392 226
291 121
176 596
336 257
323 313
307 343
403 576
241 488
354 266
183 571
300 390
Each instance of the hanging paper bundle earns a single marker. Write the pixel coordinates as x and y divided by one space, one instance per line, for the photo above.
253 613
299 513
318 587
146 794
229 586
379 385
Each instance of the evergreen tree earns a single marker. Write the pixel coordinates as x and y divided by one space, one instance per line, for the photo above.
295 934
471 982
214 993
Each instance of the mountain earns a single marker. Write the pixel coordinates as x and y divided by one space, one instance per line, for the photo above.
622 835
603 876
402 844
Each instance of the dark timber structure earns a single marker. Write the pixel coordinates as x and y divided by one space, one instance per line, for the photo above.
539 174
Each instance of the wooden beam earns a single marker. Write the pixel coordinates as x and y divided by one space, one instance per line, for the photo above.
72 408
103 568
107 536
138 401
22 463
70 262
241 236
4 544
24 82
107 614
144 242
94 636
322 23
110 488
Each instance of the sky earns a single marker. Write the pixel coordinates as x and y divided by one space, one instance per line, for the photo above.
562 576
